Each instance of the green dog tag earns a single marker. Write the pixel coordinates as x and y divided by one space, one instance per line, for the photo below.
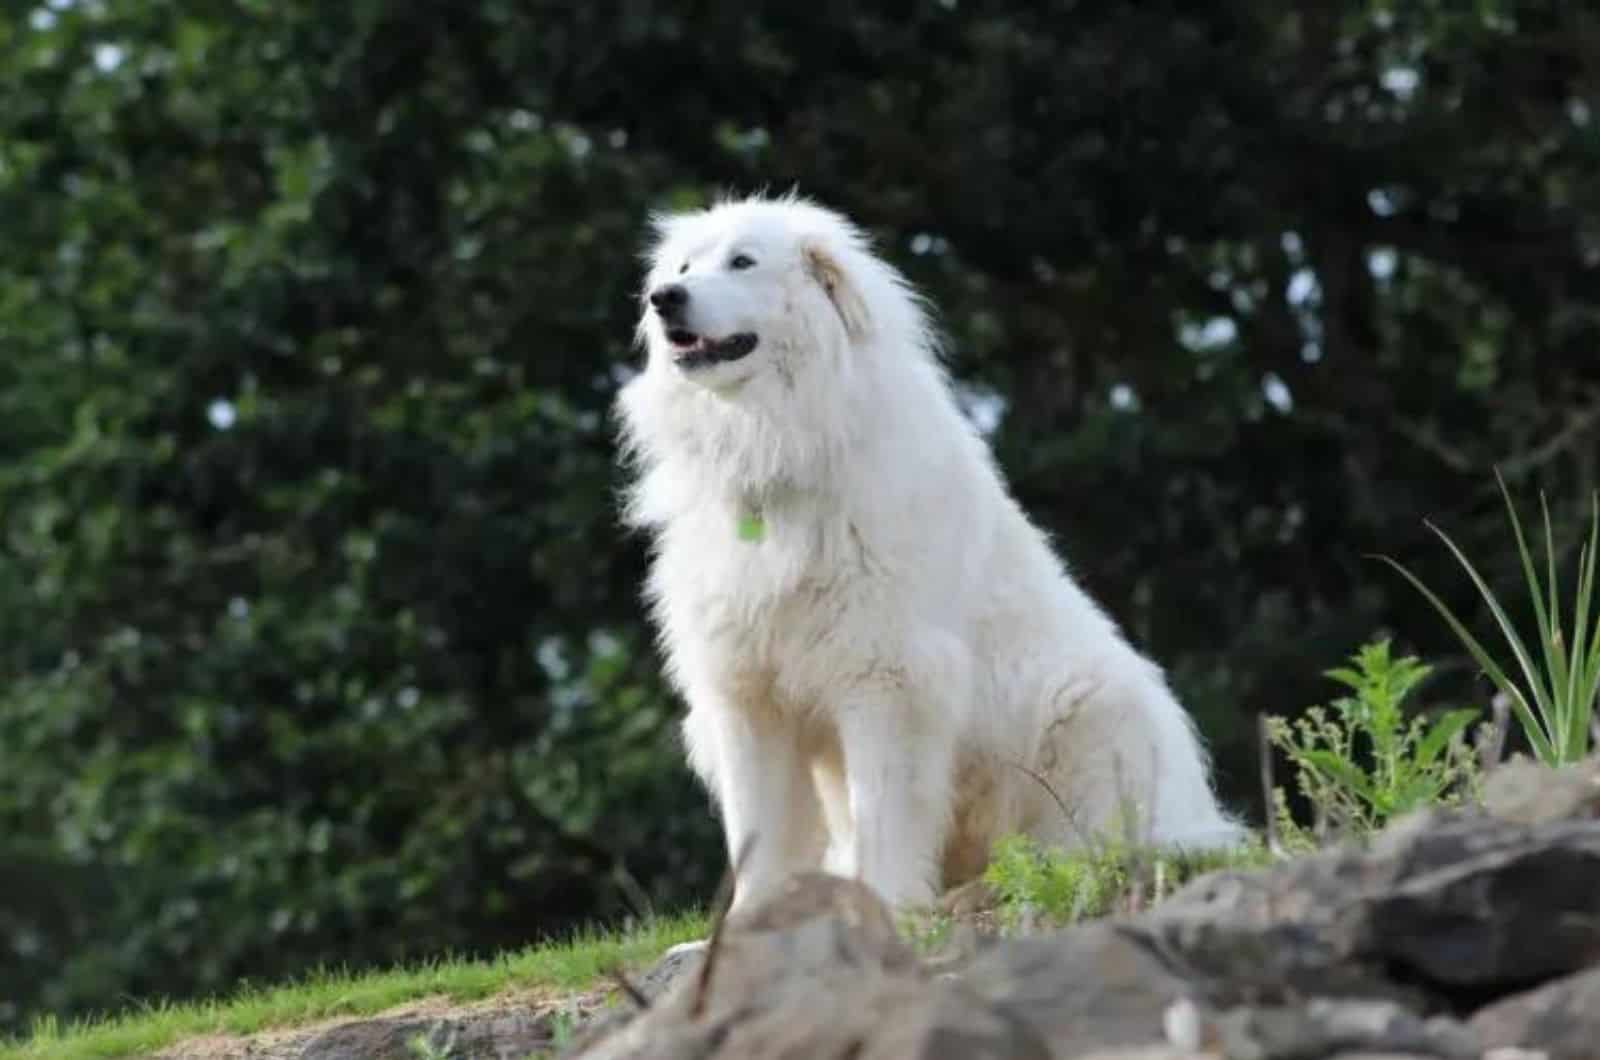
752 528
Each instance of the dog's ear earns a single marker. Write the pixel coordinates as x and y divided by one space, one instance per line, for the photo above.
826 270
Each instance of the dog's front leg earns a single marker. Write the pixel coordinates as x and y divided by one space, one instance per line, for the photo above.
763 788
899 770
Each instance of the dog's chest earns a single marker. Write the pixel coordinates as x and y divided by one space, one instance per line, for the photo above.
755 599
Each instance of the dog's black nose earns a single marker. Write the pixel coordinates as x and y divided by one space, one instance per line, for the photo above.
669 298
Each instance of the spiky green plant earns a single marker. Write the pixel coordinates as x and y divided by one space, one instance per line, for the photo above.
1555 701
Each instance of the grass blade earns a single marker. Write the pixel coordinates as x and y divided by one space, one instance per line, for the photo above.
1583 683
1530 672
1441 733
1531 725
1536 589
1555 646
1550 705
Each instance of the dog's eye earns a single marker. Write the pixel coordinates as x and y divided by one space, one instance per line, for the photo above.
683 268
742 261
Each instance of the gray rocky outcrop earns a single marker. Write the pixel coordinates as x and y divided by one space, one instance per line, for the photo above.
1451 935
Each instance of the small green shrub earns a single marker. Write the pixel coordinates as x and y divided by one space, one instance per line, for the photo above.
1056 886
1555 703
926 930
1413 763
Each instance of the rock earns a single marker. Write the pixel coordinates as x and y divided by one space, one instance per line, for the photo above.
1154 1052
673 965
1322 1028
679 962
855 1015
1561 1018
503 1035
1487 907
819 971
1448 935
1462 905
974 896
812 895
1109 984
1090 987
1524 791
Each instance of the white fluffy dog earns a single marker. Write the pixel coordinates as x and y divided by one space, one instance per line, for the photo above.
887 668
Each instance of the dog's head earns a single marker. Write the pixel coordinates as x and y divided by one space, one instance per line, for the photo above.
777 341
749 287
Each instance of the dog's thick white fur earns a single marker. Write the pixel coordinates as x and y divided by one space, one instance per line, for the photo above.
886 666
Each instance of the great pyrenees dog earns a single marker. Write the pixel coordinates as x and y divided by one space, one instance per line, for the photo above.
887 667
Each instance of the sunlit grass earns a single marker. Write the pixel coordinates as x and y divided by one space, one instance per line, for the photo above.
568 965
1108 878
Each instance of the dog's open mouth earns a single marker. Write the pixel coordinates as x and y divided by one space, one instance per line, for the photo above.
697 351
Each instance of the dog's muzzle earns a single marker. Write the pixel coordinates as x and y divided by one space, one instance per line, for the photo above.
691 351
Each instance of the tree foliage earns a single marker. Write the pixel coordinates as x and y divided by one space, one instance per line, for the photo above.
320 641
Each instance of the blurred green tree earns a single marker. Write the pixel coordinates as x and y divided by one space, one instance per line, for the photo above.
320 642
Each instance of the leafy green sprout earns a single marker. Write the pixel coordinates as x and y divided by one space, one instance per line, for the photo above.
1554 703
1414 762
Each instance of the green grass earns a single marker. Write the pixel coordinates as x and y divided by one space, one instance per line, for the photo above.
1054 887
567 965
